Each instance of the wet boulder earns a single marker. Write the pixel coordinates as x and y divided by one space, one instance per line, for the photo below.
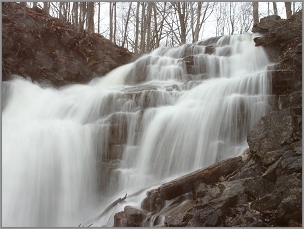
130 217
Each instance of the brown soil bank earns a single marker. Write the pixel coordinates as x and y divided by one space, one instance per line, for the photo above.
47 49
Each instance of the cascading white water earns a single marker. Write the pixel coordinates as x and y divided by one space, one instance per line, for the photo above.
177 117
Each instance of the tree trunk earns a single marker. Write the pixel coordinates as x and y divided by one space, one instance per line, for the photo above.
255 13
46 7
136 28
231 18
158 27
90 16
98 18
111 21
82 15
66 11
148 24
60 10
155 41
181 10
126 26
288 9
75 13
275 9
198 21
143 29
114 32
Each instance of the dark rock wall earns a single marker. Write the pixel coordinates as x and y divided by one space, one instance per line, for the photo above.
47 49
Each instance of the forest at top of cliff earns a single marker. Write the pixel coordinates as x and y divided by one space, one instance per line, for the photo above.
62 42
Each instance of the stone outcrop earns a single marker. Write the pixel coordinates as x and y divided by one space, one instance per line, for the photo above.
266 190
49 50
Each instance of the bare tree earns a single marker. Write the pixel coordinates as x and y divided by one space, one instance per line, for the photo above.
75 14
288 9
126 26
143 28
246 17
220 19
231 17
90 17
255 13
148 24
113 22
180 8
46 7
275 9
200 13
60 10
98 20
136 28
196 28
159 23
82 15
159 9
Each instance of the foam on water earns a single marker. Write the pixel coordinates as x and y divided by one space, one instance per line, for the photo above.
184 108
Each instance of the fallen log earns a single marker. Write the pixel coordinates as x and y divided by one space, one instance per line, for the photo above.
188 182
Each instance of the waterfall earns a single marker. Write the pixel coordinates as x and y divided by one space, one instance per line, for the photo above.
68 153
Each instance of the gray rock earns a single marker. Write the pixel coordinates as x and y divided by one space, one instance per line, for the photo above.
272 132
290 209
286 186
267 23
292 100
270 157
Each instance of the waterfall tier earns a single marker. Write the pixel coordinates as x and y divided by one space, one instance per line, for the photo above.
69 152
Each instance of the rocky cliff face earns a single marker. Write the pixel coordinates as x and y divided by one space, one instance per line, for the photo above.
265 186
50 50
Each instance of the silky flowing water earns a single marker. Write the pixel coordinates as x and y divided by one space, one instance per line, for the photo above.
57 163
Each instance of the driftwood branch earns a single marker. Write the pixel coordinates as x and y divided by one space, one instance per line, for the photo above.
113 204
